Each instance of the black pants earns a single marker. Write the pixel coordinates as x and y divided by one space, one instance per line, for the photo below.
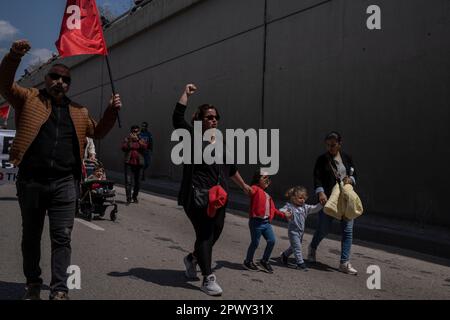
147 160
132 175
58 199
207 232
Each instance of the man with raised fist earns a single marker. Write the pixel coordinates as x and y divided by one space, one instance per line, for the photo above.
51 132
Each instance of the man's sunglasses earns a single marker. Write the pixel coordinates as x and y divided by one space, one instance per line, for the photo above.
211 117
55 76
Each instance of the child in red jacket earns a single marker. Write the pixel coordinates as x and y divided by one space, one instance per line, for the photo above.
262 211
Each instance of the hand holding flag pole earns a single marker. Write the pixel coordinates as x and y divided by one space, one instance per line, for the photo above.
112 87
83 36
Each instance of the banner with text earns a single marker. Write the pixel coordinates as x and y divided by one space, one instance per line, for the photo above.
8 172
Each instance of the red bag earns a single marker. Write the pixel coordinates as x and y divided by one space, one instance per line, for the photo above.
217 199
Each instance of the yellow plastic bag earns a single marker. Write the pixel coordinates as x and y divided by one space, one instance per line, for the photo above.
331 208
353 206
343 202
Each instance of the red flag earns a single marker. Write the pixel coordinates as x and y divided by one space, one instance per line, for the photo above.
4 112
81 30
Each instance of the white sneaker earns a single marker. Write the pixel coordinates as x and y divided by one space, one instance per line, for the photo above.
210 286
346 267
311 255
191 268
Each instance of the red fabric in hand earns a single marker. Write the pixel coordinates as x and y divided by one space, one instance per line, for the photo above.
217 199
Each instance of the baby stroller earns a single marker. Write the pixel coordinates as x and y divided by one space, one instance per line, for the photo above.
96 195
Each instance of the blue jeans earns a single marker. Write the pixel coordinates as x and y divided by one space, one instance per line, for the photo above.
260 227
323 229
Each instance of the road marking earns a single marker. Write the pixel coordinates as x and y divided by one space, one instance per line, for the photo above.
89 224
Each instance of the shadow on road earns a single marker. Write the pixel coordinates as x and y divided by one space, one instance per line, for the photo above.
167 278
15 291
311 265
9 199
321 267
228 265
275 262
11 290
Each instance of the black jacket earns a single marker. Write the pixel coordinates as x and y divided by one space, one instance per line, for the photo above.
199 175
55 150
323 174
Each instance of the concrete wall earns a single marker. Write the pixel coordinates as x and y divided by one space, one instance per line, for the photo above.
303 66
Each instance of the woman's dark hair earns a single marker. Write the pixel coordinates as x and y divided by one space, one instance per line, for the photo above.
334 135
201 111
134 127
256 176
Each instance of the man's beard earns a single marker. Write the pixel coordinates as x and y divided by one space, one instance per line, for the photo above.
56 91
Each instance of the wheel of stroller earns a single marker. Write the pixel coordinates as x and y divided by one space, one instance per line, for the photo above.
113 215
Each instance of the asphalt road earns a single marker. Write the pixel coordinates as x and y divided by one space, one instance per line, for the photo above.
140 256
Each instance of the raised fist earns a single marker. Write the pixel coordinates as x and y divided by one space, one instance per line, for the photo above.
190 89
21 47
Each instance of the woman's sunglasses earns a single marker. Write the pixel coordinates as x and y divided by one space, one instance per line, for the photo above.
211 117
55 76
332 145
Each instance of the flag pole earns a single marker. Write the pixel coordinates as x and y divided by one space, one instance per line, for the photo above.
112 86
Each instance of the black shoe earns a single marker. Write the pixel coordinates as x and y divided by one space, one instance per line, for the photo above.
128 201
59 296
302 266
135 200
266 267
249 265
33 292
284 259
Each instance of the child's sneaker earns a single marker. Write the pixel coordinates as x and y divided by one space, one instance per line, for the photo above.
249 265
266 267
302 266
210 286
284 259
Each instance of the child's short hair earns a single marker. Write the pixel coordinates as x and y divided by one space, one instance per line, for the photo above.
294 190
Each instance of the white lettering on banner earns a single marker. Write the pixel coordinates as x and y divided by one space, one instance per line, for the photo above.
374 21
8 173
74 21
8 176
6 138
